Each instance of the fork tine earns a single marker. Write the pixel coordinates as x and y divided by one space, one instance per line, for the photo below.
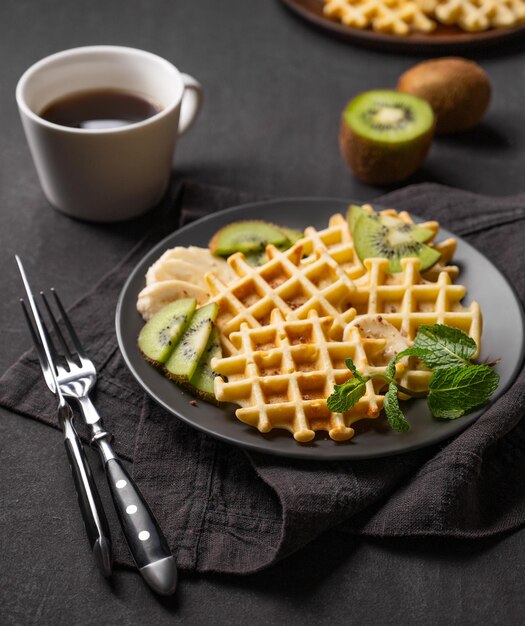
69 326
50 343
56 327
39 348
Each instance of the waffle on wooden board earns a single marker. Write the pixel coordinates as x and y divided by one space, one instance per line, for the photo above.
402 17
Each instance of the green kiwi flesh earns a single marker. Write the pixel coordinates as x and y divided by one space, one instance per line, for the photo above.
158 337
247 237
201 383
416 232
292 234
385 135
260 257
373 239
256 258
184 359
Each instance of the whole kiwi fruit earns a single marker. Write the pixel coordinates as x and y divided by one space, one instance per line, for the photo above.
458 90
385 135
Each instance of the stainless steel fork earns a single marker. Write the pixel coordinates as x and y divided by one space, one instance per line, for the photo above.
76 376
89 501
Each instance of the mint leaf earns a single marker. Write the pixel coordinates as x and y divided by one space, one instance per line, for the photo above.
391 367
351 366
447 346
345 396
460 389
394 414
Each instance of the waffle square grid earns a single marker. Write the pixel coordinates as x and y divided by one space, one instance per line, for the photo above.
283 283
407 302
283 373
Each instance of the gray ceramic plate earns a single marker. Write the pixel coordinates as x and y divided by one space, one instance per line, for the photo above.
503 337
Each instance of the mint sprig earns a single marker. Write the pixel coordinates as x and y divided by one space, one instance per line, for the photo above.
447 346
456 387
457 390
395 416
347 395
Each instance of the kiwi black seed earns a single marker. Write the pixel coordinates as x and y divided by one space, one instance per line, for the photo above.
385 135
373 239
256 258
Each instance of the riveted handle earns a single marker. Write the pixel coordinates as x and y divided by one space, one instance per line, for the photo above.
146 542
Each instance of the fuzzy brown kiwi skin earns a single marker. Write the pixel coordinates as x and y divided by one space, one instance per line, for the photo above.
183 383
458 90
382 164
201 395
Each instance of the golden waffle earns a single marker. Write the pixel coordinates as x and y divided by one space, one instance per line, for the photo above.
399 17
407 302
480 15
336 240
283 373
284 283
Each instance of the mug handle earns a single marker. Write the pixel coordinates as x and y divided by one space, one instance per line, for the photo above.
191 103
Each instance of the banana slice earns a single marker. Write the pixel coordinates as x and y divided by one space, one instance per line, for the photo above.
154 297
189 264
378 328
179 273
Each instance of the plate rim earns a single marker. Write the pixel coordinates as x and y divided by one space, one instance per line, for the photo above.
301 452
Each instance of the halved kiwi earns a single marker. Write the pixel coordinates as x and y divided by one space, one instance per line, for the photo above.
385 135
414 231
373 239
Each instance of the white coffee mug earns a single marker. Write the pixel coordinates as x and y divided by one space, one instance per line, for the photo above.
106 174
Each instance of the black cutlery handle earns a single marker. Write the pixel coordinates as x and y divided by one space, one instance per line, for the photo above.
95 521
146 542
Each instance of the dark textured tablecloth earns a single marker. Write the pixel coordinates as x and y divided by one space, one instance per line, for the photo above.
227 510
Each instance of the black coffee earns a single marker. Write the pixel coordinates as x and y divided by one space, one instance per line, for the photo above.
99 108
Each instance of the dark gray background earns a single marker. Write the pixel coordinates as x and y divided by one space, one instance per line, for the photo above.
274 88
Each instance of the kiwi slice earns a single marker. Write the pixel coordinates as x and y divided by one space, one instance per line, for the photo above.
247 237
385 135
159 336
201 382
183 361
416 232
373 239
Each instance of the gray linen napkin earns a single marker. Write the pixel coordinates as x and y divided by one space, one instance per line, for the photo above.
227 510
